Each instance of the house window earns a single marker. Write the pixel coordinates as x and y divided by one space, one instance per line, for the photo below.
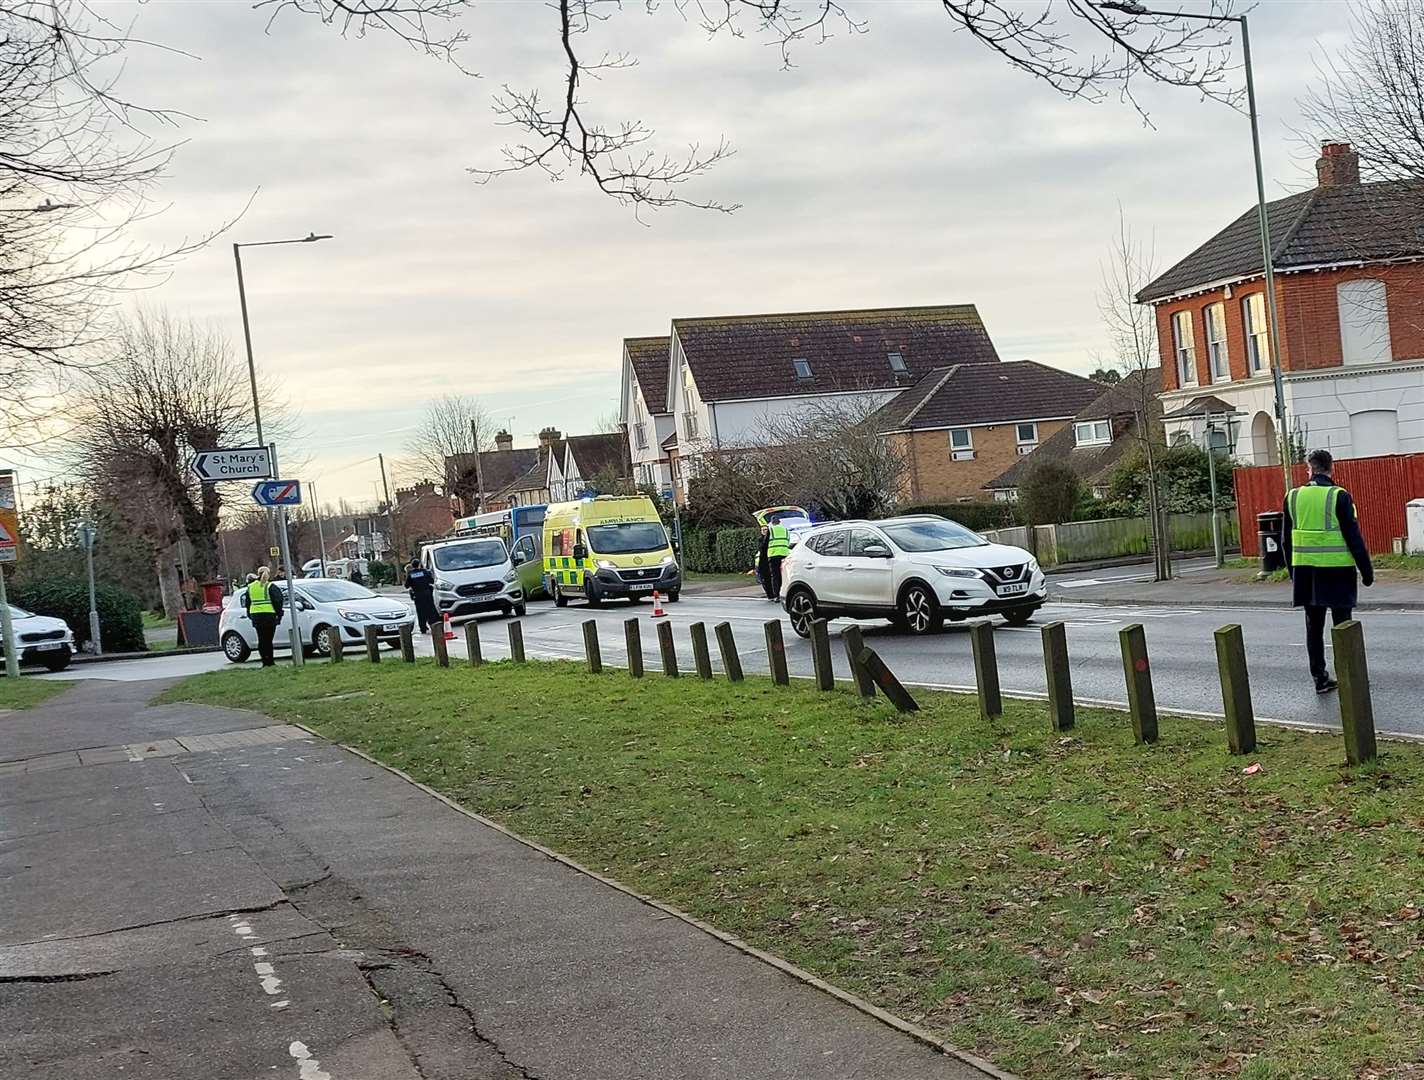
897 363
1214 318
1186 348
689 407
1092 433
803 368
1364 322
640 436
1253 318
960 439
1027 433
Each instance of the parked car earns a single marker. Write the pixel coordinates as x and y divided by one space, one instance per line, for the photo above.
42 639
323 606
796 520
915 571
473 574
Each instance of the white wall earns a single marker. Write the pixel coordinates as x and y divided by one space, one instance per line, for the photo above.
741 423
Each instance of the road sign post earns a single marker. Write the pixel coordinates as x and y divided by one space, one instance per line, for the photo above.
9 552
87 534
282 494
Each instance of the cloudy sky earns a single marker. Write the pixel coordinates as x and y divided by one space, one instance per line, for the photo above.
905 165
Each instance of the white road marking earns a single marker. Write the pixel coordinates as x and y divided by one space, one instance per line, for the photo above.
310 1067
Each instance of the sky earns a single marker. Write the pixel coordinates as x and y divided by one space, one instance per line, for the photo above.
901 166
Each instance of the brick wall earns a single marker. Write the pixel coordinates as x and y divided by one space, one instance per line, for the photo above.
936 477
1310 320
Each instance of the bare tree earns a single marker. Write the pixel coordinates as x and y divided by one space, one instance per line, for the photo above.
448 442
1372 94
166 389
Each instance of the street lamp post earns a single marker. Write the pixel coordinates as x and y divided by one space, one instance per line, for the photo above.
1133 7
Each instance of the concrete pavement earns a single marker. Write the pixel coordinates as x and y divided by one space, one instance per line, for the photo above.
198 892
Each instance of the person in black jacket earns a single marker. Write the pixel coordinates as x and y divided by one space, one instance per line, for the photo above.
420 582
1317 588
263 602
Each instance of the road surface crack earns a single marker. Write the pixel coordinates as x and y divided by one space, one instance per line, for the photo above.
68 977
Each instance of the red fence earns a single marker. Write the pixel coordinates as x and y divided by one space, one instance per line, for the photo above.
1380 487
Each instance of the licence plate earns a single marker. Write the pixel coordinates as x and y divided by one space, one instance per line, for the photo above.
641 588
390 628
50 645
1014 589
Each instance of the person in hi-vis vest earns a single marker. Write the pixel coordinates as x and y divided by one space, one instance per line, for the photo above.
1323 548
263 602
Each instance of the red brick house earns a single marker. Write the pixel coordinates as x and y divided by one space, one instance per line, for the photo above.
1349 260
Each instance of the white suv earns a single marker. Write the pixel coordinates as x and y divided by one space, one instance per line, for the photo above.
915 571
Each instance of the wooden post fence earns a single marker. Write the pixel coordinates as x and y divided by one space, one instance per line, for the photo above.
373 645
1140 700
821 655
885 679
667 649
590 646
442 647
854 642
1235 689
776 652
633 641
986 670
516 641
472 643
334 644
407 644
1357 714
727 646
1060 679
701 657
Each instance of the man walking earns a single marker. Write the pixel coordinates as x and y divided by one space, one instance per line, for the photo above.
1323 547
263 602
420 583
778 546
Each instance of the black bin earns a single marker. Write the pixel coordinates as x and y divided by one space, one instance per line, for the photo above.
1269 540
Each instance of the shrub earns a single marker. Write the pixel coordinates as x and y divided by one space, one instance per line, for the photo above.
67 598
1049 494
697 549
972 515
381 573
735 550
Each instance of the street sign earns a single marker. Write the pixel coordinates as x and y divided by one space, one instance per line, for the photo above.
9 519
241 463
277 493
274 552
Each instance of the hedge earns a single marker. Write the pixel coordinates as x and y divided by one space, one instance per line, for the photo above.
67 598
731 550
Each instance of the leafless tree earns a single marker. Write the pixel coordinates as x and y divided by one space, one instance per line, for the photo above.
1372 94
446 444
166 389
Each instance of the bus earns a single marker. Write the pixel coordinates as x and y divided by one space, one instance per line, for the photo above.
522 530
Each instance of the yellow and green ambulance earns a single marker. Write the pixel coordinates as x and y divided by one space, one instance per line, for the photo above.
608 547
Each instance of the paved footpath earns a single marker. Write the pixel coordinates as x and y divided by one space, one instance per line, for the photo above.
198 892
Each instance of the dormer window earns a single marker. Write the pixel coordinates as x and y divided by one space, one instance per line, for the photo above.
1092 433
803 368
897 363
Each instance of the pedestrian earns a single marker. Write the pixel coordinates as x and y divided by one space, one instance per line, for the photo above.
778 546
421 584
1323 548
263 602
356 578
763 565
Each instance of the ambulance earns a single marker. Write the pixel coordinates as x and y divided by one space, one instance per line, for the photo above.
608 547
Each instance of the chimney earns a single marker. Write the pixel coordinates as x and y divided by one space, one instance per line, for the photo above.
503 441
1338 165
549 436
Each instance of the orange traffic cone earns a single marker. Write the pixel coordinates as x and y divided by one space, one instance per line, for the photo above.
658 612
449 630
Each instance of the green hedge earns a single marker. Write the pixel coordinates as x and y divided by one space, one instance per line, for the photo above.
720 551
972 515
67 598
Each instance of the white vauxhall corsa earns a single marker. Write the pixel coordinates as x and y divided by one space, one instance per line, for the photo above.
915 571
324 606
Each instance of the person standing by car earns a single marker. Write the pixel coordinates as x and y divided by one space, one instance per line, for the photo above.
778 546
763 564
1323 548
420 583
263 602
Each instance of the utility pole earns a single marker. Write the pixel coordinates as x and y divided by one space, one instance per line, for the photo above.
479 465
320 533
390 506
294 634
87 534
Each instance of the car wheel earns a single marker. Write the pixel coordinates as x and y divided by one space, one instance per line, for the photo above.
519 610
591 594
560 600
672 597
801 606
234 648
321 641
56 660
919 609
1020 618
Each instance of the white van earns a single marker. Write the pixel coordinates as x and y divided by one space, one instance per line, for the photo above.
473 574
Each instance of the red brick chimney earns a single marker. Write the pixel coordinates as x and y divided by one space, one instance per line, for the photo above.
549 436
1338 165
503 440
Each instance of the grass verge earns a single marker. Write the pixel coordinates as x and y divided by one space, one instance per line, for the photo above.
21 693
1068 906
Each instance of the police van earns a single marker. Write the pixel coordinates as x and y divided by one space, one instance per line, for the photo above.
608 547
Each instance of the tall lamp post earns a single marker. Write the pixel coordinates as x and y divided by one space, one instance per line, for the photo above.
1133 7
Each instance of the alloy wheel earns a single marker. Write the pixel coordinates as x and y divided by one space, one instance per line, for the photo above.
919 610
802 610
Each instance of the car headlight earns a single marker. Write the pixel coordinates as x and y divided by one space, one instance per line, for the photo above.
443 585
511 577
957 571
1032 565
352 616
605 564
668 560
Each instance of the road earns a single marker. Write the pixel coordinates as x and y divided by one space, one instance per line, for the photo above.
1179 641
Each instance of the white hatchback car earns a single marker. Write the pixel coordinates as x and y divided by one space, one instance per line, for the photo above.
43 639
915 571
324 606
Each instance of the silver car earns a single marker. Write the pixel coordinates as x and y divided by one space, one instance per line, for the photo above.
323 606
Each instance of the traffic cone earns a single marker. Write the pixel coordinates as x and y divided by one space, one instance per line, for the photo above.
658 612
449 630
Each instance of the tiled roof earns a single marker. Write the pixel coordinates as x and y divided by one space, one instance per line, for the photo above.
649 356
750 356
1126 397
967 394
500 467
1325 225
594 453
533 478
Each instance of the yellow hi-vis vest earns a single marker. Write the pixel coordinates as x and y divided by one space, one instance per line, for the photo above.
1316 539
259 602
778 542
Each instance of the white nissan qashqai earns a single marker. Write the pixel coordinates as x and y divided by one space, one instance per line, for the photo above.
915 571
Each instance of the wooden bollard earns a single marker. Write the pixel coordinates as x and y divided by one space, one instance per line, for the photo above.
335 646
854 643
1357 712
667 649
884 678
633 640
407 644
986 670
472 643
1235 689
1140 700
516 641
590 646
701 657
821 655
727 646
373 645
442 647
1060 678
776 653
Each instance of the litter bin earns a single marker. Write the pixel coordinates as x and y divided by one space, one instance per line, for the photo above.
1268 538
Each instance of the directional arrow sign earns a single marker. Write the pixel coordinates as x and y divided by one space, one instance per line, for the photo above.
277 493
242 463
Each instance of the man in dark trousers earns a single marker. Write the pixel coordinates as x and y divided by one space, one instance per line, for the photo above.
420 582
1323 548
263 602
763 564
